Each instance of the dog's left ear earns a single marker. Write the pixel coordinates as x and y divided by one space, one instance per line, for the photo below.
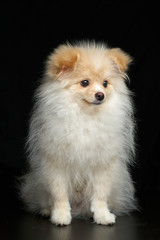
121 58
63 60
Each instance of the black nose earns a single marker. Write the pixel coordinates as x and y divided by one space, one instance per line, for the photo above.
99 96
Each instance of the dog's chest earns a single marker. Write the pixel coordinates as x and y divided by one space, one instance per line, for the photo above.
86 129
84 138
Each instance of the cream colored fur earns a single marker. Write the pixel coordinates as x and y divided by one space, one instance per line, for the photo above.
79 151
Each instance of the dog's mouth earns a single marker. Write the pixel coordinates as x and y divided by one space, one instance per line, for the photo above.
96 102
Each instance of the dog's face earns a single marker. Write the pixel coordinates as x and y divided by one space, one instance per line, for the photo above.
91 73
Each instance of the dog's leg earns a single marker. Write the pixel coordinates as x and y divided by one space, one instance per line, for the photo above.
101 191
61 212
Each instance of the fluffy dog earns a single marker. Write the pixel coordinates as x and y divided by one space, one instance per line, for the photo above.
81 136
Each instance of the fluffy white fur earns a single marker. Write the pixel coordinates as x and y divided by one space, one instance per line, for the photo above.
79 148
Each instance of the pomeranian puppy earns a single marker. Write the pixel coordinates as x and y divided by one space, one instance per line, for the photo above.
81 136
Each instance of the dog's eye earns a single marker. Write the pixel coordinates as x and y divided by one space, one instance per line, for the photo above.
105 83
84 83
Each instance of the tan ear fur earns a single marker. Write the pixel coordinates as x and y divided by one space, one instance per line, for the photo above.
62 60
121 58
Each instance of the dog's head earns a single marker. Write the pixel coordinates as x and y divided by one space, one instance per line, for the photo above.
91 72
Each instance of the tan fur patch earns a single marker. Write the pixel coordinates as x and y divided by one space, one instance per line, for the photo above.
122 59
63 60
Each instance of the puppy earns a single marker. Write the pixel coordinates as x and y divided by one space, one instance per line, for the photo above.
81 137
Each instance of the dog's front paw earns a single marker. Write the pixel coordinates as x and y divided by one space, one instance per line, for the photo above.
105 218
61 217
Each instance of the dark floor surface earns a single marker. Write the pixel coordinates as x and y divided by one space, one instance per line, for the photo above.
17 224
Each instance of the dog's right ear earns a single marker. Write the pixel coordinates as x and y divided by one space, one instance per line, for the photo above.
63 60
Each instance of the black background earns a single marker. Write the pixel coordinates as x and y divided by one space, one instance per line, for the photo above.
29 32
